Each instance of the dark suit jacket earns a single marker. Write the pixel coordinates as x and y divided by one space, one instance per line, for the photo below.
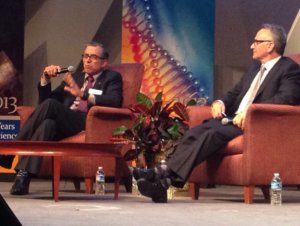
281 86
109 82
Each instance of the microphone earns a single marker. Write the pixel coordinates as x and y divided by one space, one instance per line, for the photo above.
70 69
226 121
66 69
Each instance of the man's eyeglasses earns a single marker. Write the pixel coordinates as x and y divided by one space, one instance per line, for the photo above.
257 42
93 57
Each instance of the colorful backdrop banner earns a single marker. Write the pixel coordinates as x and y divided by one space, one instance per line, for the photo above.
11 69
174 39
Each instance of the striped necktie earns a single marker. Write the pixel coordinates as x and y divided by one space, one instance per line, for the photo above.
83 105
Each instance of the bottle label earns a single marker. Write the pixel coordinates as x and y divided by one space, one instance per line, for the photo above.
101 178
276 185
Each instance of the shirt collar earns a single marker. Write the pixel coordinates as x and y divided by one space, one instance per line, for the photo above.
268 65
95 76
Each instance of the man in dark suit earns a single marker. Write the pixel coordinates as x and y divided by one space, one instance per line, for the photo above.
62 112
272 79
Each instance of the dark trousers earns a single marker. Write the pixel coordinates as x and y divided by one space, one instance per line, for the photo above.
197 145
49 122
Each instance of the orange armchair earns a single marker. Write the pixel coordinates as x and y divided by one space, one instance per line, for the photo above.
100 123
269 144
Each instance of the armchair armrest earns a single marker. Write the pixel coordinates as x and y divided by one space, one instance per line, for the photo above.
24 112
197 114
102 121
271 142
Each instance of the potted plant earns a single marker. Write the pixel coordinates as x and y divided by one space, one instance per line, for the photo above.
156 130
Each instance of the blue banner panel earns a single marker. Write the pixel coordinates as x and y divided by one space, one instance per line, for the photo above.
9 127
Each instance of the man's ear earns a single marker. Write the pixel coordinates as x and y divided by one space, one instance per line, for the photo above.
105 63
271 47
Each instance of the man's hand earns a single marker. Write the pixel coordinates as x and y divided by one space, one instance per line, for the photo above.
72 86
217 109
51 71
239 120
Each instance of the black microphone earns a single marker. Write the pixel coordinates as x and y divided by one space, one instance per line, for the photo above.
226 121
70 69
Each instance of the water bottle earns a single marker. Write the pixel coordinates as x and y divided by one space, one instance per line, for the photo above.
100 181
135 190
276 190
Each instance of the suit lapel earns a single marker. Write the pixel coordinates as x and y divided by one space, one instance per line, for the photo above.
100 80
271 74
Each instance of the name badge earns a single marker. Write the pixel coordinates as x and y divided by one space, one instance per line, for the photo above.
95 91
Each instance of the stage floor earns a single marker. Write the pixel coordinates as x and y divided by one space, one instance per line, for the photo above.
222 205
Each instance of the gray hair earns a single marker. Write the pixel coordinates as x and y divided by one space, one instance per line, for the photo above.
279 36
105 54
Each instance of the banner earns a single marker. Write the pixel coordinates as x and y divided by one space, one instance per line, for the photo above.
174 39
11 59
11 67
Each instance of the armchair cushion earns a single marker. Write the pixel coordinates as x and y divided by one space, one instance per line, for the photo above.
233 147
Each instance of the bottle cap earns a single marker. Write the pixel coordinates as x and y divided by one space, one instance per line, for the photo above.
100 167
276 174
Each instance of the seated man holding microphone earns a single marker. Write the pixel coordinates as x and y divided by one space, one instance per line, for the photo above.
62 112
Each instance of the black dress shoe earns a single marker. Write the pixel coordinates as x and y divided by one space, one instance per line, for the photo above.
156 190
147 174
151 175
21 184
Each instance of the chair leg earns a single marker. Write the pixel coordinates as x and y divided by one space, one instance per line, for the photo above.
89 182
128 183
248 194
266 192
76 183
194 190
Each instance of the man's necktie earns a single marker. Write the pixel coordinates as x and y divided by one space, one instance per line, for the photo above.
257 84
82 105
250 95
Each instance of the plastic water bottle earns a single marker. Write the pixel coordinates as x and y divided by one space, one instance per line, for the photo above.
135 190
276 190
100 181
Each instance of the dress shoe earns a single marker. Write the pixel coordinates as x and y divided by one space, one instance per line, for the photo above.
151 175
156 190
21 184
148 174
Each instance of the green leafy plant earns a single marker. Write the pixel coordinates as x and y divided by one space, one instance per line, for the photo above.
157 126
